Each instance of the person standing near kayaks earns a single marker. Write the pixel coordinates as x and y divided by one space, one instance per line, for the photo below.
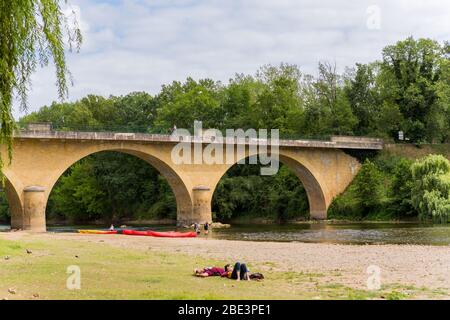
206 227
197 228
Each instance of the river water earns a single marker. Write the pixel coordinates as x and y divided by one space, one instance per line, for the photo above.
344 233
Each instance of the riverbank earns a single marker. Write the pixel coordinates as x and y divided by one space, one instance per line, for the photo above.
268 221
125 267
237 221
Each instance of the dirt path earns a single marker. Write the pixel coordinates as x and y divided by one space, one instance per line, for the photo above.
419 266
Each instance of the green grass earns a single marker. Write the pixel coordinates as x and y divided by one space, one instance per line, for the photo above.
114 273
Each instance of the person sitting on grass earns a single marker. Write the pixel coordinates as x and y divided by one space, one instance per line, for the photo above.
209 272
238 272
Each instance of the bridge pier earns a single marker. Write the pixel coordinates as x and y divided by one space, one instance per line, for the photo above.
34 209
201 212
318 214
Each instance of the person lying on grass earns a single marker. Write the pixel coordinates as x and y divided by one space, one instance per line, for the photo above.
238 272
209 272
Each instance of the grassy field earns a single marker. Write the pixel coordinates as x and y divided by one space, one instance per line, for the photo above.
114 273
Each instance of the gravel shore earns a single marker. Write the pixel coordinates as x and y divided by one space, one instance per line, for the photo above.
414 265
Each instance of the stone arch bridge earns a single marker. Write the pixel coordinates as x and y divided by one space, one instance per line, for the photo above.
40 157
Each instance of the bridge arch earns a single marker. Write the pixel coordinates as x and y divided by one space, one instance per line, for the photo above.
177 184
38 164
14 197
315 191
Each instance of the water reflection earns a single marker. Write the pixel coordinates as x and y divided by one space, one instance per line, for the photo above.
348 233
352 233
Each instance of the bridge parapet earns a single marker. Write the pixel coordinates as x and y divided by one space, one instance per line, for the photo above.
336 142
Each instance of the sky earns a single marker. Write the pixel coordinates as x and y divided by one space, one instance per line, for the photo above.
139 45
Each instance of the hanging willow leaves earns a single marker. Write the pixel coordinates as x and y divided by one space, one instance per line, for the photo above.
32 32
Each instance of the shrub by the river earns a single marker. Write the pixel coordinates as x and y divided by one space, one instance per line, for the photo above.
400 191
365 198
431 189
369 186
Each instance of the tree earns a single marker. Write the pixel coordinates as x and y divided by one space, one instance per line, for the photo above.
239 99
369 186
183 103
413 70
443 93
278 104
431 190
288 199
363 96
327 109
111 186
402 184
243 191
78 197
134 111
31 33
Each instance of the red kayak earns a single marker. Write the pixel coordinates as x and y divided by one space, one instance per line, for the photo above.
134 233
168 234
173 234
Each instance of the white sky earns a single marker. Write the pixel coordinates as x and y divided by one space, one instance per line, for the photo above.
138 45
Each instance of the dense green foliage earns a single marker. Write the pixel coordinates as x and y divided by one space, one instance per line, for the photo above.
31 33
368 186
396 187
243 190
431 189
111 186
401 188
408 90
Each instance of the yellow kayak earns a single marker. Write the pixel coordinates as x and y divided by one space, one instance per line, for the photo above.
97 231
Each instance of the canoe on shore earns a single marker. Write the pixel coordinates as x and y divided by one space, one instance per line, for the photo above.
173 234
167 234
98 231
